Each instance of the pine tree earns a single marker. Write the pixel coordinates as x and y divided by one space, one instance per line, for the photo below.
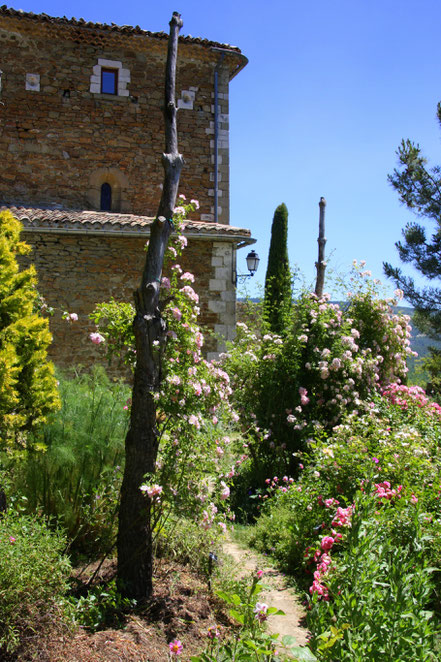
419 188
28 390
278 289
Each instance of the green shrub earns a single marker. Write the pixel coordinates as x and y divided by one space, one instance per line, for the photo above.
76 479
331 361
33 576
370 492
101 607
28 391
183 540
378 591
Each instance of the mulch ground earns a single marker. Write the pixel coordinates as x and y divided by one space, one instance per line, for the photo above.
182 608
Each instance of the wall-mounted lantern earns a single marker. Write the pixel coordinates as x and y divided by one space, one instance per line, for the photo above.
252 260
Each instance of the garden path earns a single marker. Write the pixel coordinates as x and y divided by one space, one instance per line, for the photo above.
276 593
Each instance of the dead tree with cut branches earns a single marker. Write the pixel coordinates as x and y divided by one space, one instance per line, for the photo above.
321 264
134 542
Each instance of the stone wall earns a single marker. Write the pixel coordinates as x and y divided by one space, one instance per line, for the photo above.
77 271
60 138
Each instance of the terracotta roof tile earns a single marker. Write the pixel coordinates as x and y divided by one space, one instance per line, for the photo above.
123 29
107 222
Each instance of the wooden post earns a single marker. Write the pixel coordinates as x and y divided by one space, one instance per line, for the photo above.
134 543
321 264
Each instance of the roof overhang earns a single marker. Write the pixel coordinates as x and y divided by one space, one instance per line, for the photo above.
85 222
234 56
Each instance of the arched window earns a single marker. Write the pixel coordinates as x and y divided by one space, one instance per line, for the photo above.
106 197
108 191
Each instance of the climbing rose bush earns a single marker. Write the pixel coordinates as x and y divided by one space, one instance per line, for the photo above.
331 360
193 409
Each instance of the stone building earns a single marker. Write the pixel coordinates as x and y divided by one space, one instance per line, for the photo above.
81 138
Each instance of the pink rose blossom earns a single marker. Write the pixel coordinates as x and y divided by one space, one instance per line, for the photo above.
327 543
225 491
190 293
260 611
96 338
193 420
153 491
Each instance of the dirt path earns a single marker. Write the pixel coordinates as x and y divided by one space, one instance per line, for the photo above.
275 593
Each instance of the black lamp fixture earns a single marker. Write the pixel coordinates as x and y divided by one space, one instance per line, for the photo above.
252 260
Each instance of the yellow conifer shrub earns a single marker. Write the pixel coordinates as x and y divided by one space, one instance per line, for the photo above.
28 388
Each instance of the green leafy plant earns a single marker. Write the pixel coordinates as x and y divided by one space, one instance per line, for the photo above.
33 577
251 642
378 590
76 479
101 607
360 530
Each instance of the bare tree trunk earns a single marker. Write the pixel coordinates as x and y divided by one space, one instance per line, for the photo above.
134 542
321 264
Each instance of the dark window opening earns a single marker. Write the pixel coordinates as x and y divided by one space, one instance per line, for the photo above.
109 81
106 197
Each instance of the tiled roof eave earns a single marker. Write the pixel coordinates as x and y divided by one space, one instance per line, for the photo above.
128 225
122 29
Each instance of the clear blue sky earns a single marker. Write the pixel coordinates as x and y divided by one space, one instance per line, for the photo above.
331 88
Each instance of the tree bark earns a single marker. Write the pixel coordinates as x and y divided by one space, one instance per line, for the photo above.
134 542
321 264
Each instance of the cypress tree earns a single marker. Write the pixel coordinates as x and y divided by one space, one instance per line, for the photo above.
278 289
28 389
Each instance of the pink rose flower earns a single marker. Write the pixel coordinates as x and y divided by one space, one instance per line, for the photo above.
327 543
96 338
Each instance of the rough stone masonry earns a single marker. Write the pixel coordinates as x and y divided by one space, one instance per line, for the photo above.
81 138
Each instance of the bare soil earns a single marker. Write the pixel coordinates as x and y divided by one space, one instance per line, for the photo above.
183 608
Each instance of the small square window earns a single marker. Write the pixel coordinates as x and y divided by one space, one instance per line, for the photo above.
109 81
